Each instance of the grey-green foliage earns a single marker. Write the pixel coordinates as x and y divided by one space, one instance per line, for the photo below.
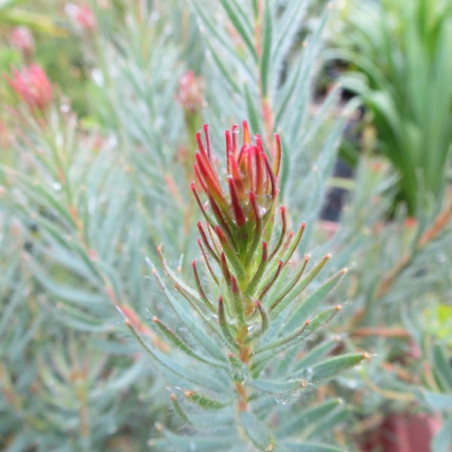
410 273
70 247
281 78
135 96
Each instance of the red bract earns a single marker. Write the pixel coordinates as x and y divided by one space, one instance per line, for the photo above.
33 86
245 205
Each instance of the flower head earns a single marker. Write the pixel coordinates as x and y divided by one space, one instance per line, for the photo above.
33 86
244 205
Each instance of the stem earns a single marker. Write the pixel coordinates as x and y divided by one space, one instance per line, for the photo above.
242 402
381 332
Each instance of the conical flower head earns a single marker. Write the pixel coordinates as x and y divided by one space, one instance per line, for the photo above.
241 207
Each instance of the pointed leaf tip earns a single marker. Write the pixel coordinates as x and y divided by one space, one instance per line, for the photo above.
234 286
246 133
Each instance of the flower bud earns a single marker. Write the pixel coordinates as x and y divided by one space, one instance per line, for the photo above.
33 86
245 204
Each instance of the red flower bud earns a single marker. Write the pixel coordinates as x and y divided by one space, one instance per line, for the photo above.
33 86
244 206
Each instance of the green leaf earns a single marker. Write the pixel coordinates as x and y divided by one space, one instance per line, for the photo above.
332 366
36 21
184 443
266 48
223 69
310 447
442 442
315 354
273 387
295 288
256 431
205 402
184 373
438 402
181 345
309 417
253 114
182 310
310 303
10 3
286 28
240 22
286 342
213 32
442 366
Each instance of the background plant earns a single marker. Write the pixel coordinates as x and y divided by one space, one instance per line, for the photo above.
400 65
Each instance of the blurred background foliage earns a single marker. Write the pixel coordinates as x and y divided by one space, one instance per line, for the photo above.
93 182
